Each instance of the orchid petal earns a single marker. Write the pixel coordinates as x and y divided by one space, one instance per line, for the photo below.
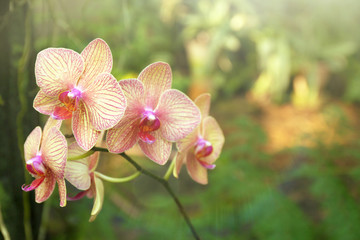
178 115
158 151
196 171
57 69
50 123
75 150
84 132
34 184
156 79
77 173
98 59
203 102
213 133
93 161
104 101
45 189
62 191
180 159
123 136
77 196
32 143
98 199
134 92
189 141
45 104
54 152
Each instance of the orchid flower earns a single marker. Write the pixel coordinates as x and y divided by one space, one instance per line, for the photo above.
81 174
80 86
200 149
155 116
45 158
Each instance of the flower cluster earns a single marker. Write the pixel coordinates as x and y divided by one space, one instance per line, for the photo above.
143 111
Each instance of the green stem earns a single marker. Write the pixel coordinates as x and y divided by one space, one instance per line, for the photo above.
22 82
163 182
81 156
117 180
3 228
44 219
170 170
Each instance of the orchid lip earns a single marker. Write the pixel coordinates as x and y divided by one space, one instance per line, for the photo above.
206 165
203 148
70 103
148 123
35 166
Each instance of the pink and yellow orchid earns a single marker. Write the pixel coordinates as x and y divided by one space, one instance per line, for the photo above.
200 149
80 86
155 116
81 174
45 157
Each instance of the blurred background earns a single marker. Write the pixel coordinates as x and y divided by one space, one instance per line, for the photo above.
285 82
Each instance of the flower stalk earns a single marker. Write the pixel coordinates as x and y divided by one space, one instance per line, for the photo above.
117 180
162 181
170 170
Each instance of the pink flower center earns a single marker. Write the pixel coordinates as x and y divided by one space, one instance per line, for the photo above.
35 166
70 103
148 123
37 169
203 149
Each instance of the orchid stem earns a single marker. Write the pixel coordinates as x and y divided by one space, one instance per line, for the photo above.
117 180
170 170
163 182
81 156
3 228
44 220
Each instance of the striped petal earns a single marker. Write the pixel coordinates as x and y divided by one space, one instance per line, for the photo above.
189 141
196 171
43 192
50 123
158 151
98 198
156 79
54 152
62 191
77 173
98 59
203 102
178 115
75 150
124 135
32 143
58 69
45 104
213 133
134 92
84 133
104 101
93 161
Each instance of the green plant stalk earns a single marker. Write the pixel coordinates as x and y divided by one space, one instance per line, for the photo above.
164 182
117 180
3 228
81 156
44 219
170 170
22 85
